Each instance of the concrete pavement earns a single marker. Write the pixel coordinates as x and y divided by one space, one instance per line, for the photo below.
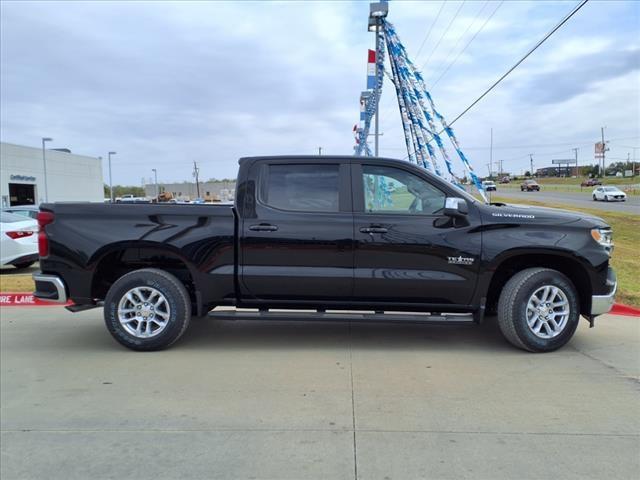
315 400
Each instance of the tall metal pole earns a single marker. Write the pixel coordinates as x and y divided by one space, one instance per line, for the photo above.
110 179
377 124
531 163
195 174
155 174
575 151
44 167
604 149
491 148
319 150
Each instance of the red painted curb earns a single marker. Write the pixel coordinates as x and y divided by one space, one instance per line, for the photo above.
25 299
622 309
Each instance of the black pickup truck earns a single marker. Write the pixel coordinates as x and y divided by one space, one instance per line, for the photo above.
381 238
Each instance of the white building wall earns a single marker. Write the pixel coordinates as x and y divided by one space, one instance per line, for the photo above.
70 177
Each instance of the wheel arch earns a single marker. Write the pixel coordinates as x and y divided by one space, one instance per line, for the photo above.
116 260
564 262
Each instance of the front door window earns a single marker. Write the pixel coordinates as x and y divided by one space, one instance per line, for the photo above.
396 191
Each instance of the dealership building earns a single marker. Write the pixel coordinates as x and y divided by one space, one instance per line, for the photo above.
69 177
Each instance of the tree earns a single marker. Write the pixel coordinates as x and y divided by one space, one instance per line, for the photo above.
527 173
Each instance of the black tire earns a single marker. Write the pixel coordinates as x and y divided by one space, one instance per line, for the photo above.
176 296
512 307
595 199
22 266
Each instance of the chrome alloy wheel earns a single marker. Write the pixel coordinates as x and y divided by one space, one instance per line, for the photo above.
143 312
548 312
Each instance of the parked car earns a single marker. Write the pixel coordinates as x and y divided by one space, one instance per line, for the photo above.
505 180
529 186
590 182
30 211
18 241
609 194
323 233
489 186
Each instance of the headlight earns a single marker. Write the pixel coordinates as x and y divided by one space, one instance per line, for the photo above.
604 236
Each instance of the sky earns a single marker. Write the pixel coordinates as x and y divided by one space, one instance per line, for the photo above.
165 84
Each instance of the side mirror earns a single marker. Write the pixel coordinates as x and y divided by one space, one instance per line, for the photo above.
455 207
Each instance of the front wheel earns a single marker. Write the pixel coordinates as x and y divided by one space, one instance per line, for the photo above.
147 309
594 198
538 310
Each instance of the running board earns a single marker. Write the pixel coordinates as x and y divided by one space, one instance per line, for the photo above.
438 319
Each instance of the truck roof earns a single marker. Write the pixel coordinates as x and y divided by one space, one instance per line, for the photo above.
316 158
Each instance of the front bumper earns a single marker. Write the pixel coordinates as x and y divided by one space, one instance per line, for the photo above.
603 303
50 288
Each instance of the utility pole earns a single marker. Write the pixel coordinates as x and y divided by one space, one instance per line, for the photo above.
196 171
110 180
531 163
319 150
491 148
575 151
489 168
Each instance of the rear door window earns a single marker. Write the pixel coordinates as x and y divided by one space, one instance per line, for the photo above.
301 187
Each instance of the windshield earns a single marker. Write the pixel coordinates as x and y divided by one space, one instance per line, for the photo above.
611 189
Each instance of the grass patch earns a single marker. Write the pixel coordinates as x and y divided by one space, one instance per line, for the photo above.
16 282
626 237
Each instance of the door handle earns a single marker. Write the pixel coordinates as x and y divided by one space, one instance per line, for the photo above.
373 229
263 227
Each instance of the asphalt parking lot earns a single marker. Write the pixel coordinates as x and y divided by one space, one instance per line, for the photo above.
315 400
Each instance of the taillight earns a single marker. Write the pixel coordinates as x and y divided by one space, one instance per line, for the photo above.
20 234
44 219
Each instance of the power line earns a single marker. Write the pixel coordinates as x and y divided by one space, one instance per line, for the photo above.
459 39
535 47
443 34
430 28
467 45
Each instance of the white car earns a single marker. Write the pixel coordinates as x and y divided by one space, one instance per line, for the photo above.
489 186
18 241
609 194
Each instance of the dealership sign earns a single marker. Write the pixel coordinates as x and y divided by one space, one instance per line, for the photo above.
23 178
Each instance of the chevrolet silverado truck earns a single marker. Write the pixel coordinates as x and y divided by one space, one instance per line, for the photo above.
382 239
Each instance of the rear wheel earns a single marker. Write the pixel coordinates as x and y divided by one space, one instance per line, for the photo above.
147 309
538 310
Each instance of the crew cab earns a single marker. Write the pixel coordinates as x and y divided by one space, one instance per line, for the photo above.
382 238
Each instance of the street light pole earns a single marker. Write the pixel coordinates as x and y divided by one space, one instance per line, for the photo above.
110 180
44 166
155 173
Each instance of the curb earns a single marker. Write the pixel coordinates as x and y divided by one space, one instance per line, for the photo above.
26 299
622 309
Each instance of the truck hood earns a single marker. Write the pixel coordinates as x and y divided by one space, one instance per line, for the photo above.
525 214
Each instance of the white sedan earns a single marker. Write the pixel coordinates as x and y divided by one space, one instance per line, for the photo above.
18 241
609 194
